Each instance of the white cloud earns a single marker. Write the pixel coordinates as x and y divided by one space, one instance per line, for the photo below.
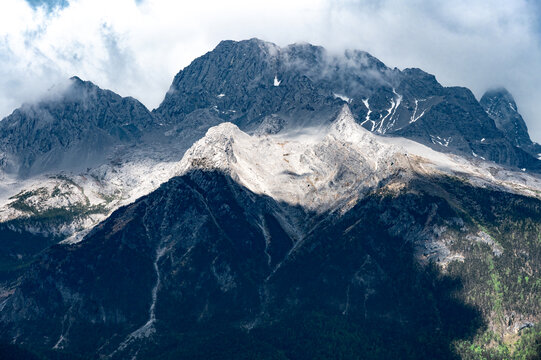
136 49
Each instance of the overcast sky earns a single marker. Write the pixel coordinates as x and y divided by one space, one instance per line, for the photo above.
135 47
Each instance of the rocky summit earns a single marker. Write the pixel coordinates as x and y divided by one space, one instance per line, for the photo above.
255 84
70 128
501 107
281 203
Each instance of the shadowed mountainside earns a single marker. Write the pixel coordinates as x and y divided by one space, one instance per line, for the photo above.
219 270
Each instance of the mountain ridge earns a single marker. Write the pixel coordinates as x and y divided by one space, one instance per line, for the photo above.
80 124
313 87
210 248
280 203
236 80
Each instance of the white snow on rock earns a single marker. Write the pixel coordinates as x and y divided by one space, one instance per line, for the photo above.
342 97
367 118
96 193
415 116
442 141
395 103
325 168
319 168
313 170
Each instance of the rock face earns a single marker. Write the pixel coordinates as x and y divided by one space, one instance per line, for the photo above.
501 107
263 88
73 129
247 254
269 208
258 84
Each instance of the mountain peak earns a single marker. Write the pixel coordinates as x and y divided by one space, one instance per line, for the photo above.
345 123
252 83
312 167
77 81
500 106
498 91
499 94
75 123
78 84
250 45
76 78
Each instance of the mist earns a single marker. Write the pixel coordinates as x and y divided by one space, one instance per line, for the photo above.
136 47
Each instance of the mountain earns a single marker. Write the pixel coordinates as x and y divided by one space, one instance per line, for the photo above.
501 107
261 88
80 152
72 158
70 129
331 244
100 147
264 88
281 203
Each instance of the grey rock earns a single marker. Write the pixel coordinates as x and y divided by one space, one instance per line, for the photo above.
74 129
501 107
237 81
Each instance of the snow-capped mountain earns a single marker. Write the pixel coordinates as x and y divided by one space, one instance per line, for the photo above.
88 139
109 146
219 243
319 168
279 200
258 84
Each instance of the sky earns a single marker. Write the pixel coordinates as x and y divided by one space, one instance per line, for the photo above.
135 47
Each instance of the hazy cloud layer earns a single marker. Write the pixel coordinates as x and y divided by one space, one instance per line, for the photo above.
136 47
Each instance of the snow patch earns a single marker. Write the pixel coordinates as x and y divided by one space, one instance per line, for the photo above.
104 188
367 118
343 97
395 103
414 116
436 140
317 170
330 167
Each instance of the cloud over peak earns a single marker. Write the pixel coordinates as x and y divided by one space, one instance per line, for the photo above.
136 47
